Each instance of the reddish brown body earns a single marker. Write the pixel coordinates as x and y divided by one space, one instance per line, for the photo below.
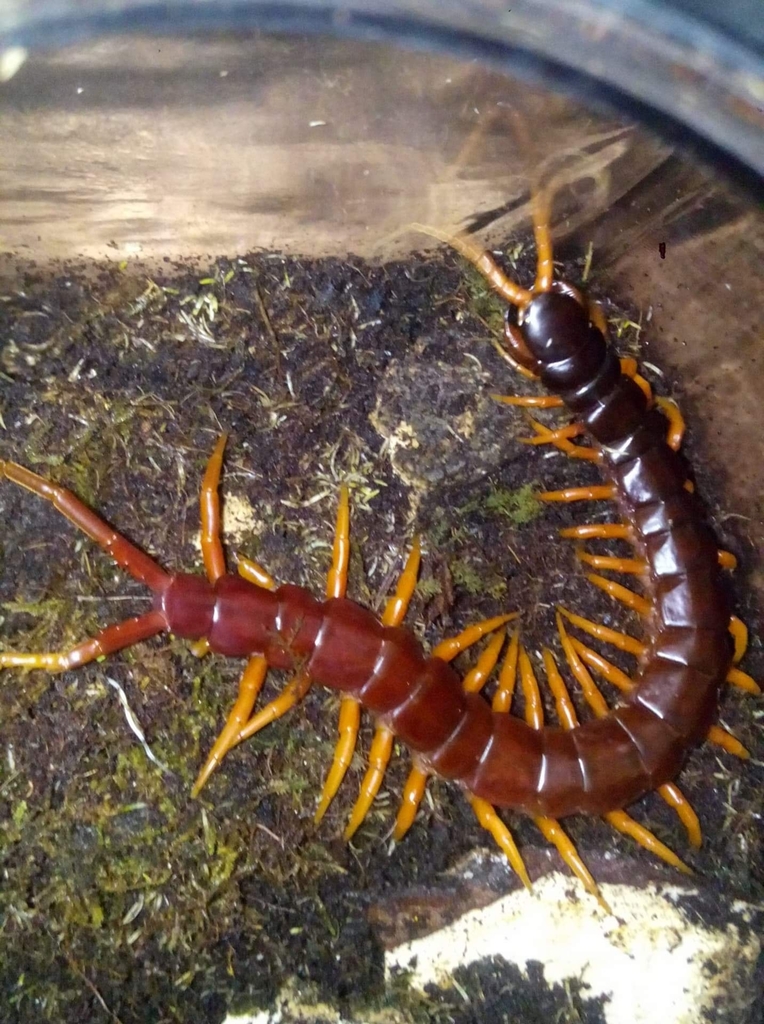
599 766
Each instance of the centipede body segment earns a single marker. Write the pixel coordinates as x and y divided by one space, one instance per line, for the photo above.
596 767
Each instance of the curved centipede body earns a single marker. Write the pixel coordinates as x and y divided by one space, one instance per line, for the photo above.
597 767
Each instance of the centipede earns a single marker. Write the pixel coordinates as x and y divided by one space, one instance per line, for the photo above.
691 646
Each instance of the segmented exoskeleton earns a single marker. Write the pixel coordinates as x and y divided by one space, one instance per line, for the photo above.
597 767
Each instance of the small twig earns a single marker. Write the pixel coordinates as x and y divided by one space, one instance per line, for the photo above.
268 326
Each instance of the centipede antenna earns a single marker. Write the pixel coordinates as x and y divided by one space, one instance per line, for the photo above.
541 207
107 641
509 290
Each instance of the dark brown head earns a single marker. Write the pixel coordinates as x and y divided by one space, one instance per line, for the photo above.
555 327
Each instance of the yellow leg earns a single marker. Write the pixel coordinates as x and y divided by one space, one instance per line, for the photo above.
534 708
739 632
670 793
587 531
447 650
554 833
413 791
379 756
678 802
490 820
560 439
350 709
350 716
474 681
618 819
292 694
633 566
530 401
212 546
605 668
397 606
502 699
546 434
721 738
550 827
610 636
634 601
727 560
743 681
623 822
349 723
478 675
677 426
599 492
251 683
255 573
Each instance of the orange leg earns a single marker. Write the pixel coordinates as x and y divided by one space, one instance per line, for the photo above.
447 650
382 743
560 439
212 546
634 601
550 827
727 560
255 573
634 566
249 688
677 426
598 492
670 793
716 735
530 401
610 636
606 531
618 819
474 681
